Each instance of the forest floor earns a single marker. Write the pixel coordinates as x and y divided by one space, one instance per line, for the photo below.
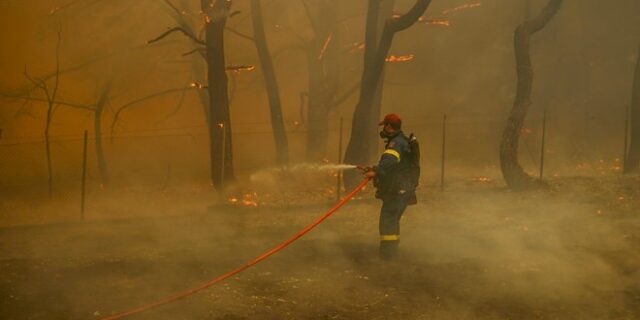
474 251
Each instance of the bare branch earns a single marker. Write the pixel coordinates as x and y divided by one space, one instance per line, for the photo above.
38 83
57 102
194 51
57 77
177 29
238 33
406 20
116 116
173 7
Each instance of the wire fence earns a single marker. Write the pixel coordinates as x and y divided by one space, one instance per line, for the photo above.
472 142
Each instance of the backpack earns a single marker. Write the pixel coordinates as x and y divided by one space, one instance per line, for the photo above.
412 169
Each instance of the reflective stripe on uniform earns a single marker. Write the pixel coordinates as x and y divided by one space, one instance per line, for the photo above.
393 153
389 237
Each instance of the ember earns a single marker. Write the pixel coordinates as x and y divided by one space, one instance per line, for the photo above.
197 85
482 179
240 68
403 58
462 7
248 200
324 47
438 22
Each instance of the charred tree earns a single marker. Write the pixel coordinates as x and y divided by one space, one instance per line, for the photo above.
512 171
632 162
198 62
97 126
360 145
385 12
324 75
50 94
271 83
220 141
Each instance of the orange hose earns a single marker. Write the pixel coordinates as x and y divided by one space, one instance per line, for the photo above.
239 269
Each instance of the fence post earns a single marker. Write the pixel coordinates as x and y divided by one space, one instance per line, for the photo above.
544 135
223 153
444 142
626 137
339 177
84 175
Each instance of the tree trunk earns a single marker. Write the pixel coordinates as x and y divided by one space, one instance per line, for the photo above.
386 12
271 83
512 172
220 141
324 72
47 143
360 143
97 117
632 163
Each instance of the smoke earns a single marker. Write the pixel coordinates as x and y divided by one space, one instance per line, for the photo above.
274 175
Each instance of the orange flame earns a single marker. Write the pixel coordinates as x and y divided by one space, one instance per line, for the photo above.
436 22
241 68
482 179
248 200
326 44
403 58
462 7
197 85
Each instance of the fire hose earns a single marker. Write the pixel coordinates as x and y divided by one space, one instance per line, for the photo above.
241 268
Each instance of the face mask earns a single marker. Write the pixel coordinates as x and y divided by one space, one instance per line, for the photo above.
384 134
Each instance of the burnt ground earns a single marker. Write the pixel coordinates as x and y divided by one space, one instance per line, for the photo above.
476 251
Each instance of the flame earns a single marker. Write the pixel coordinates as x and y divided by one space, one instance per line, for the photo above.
326 44
436 22
240 68
248 200
462 7
197 85
403 58
482 179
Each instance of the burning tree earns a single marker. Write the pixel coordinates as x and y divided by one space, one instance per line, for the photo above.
220 143
632 161
361 146
512 171
214 14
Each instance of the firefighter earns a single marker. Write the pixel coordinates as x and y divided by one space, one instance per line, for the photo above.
392 187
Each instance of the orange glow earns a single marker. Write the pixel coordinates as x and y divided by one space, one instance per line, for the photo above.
326 44
482 179
462 7
241 68
197 85
403 58
436 22
248 200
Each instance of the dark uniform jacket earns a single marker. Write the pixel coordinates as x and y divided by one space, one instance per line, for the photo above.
390 178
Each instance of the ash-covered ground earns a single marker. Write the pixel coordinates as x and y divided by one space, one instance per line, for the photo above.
474 251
